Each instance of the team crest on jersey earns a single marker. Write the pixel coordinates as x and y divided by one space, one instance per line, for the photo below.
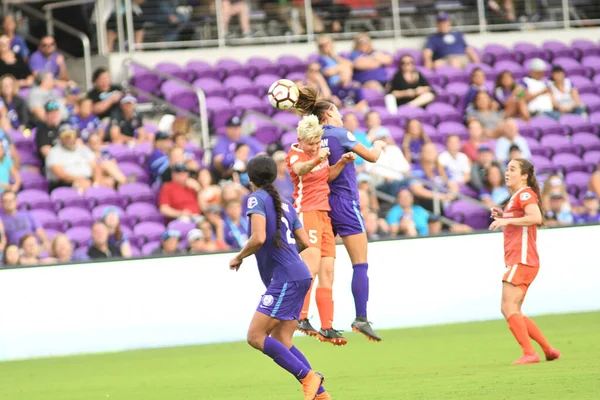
252 202
267 300
350 136
293 159
525 196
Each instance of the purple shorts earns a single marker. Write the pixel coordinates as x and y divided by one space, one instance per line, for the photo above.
345 216
283 301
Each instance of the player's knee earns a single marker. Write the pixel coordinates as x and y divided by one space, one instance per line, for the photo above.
256 339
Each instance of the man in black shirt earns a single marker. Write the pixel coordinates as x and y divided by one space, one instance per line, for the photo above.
47 131
101 248
105 96
125 123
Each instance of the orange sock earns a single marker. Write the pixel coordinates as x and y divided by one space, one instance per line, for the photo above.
306 305
324 297
519 330
536 334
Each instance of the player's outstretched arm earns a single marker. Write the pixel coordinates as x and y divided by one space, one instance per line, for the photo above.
372 154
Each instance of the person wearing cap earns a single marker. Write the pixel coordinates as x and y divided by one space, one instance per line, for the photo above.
557 215
13 64
47 131
223 153
111 217
447 47
511 137
566 96
591 210
177 156
539 97
104 95
158 161
69 164
125 123
369 64
42 94
176 199
71 96
101 248
484 160
169 243
283 183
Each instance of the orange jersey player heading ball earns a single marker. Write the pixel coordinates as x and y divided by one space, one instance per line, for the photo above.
520 220
309 169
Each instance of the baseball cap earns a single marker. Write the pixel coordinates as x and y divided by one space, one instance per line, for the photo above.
484 147
194 234
109 210
537 65
66 129
555 194
589 195
443 16
129 98
161 135
52 105
180 167
234 121
171 233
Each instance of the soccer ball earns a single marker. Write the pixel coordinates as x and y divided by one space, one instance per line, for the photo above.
283 94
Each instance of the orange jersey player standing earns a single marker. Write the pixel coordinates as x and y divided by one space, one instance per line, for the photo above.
310 171
520 219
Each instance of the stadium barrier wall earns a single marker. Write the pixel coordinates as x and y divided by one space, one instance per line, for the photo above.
123 305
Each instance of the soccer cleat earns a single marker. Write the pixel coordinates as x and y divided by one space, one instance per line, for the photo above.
332 336
361 325
552 355
310 384
528 359
305 327
323 396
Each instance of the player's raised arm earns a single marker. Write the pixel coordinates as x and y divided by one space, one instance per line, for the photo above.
302 168
372 154
337 168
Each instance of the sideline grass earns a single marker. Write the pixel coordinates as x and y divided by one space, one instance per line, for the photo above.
463 361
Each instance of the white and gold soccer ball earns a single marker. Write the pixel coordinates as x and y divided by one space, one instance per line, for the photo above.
283 94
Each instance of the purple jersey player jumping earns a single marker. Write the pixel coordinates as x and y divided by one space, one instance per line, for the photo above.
346 219
276 236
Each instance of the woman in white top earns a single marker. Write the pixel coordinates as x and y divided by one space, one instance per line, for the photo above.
390 169
566 97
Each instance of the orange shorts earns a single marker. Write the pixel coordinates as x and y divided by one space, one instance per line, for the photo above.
320 234
520 275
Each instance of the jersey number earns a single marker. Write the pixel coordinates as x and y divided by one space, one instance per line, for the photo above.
312 236
288 231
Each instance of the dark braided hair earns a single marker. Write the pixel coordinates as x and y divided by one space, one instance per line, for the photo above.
262 172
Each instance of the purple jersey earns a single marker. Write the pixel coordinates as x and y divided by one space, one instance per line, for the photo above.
587 219
277 265
87 125
19 225
340 141
39 62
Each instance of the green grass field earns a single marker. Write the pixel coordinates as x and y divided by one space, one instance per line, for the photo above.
463 361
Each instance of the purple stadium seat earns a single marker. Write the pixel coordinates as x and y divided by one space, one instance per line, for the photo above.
230 67
202 69
67 197
577 182
459 89
493 53
458 208
150 127
516 69
136 193
134 172
542 164
592 158
570 65
587 141
452 75
146 81
586 47
477 218
102 196
51 233
296 76
211 87
592 101
183 227
548 126
291 64
75 216
453 128
526 51
265 80
490 72
289 138
180 96
468 191
30 158
122 153
80 236
143 150
445 112
537 149
527 131
266 132
145 212
569 163
262 65
148 248
558 49
251 102
577 123
175 70
595 118
287 118
47 219
148 232
409 112
135 251
34 199
241 85
583 84
592 63
558 144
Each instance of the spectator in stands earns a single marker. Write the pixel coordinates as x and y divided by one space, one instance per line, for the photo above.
475 140
456 163
566 96
369 64
11 256
71 95
17 43
365 188
316 80
169 243
210 194
46 58
42 95
390 169
209 242
374 128
557 214
336 69
17 112
555 184
236 227
514 152
105 96
138 24
230 8
3 238
8 170
494 192
214 216
375 227
110 173
511 96
485 160
4 121
176 199
283 183
19 223
13 64
180 140
242 156
158 161
406 218
539 97
30 251
84 120
594 184
447 47
223 153
177 156
511 137
478 80
125 123
116 236
352 125
71 165
591 214
61 249
413 140
409 86
483 111
101 247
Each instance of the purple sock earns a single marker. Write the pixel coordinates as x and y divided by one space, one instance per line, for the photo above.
294 350
360 288
284 358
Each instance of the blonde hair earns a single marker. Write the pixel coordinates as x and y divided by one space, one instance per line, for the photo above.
309 128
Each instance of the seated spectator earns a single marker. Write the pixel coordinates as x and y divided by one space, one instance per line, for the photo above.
483 111
413 140
350 97
47 131
11 256
71 95
110 173
125 124
138 24
19 223
242 156
375 227
336 69
176 200
484 161
478 80
30 251
202 241
594 184
369 64
511 96
210 194
566 96
390 169
283 182
61 249
213 215
42 95
177 156
105 96
555 184
475 140
180 140
351 124
13 64
223 153
17 43
101 247
494 192
158 161
557 215
236 227
409 86
456 163
591 206
169 243
4 121
18 114
538 96
367 196
511 137
317 81
8 170
239 8
46 58
83 119
69 164
374 128
116 236
406 218
447 47
514 152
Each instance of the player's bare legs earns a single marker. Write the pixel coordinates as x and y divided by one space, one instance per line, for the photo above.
324 297
311 257
356 245
512 299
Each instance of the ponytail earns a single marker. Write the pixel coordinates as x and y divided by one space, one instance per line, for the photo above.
269 188
308 103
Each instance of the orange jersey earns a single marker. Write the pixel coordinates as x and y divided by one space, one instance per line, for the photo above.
520 241
311 191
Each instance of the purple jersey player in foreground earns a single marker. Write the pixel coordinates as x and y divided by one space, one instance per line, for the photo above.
346 219
276 236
